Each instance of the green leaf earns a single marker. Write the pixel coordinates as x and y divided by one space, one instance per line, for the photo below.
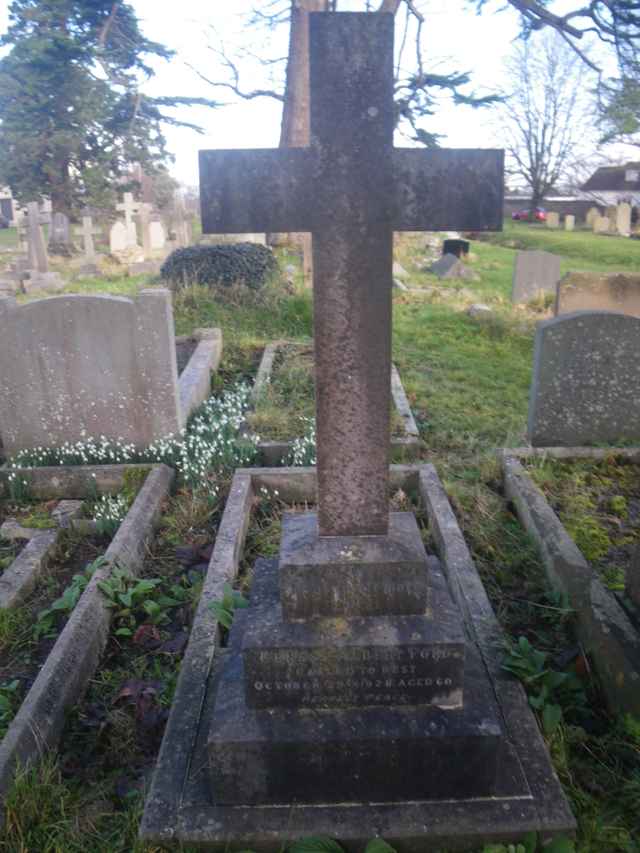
530 842
315 845
124 632
560 845
379 845
551 718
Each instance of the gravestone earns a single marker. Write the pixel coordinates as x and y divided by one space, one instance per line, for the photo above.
586 381
534 272
611 212
455 247
352 605
569 222
157 236
450 266
39 277
76 367
118 238
553 219
87 232
60 235
587 291
601 225
180 226
623 219
129 208
144 215
592 214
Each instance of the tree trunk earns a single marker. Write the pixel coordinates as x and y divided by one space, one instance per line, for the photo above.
294 131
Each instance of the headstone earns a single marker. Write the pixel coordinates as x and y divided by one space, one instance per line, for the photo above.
611 213
601 225
157 236
60 235
87 232
118 238
592 215
623 219
449 266
534 272
348 601
553 219
180 225
39 277
459 248
76 367
586 381
632 580
144 215
590 291
129 208
569 222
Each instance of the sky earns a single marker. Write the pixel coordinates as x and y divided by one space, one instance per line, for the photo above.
455 38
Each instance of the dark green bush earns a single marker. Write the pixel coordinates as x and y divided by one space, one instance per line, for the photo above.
222 264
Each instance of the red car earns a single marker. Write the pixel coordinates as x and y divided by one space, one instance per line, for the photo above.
539 215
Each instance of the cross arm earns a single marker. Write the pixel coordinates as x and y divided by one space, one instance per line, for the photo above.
256 190
444 189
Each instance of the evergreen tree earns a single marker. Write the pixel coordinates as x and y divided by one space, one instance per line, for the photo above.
73 116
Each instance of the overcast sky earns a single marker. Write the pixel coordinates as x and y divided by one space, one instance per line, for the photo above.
454 39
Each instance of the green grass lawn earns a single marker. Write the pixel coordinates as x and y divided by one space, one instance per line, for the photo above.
468 385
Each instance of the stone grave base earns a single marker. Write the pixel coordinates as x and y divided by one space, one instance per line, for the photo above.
63 678
276 452
603 624
179 808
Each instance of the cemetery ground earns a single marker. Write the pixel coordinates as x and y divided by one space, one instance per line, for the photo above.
467 381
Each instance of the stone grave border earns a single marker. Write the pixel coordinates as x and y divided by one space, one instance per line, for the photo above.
176 811
275 452
603 625
73 659
18 579
194 383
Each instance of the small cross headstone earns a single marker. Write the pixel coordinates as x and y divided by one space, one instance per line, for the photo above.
129 208
87 232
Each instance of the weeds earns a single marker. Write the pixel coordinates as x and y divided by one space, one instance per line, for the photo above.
49 618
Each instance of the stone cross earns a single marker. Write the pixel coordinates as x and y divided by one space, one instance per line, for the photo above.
38 258
129 208
351 189
87 232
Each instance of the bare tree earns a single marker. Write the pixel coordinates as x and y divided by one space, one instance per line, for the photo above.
544 118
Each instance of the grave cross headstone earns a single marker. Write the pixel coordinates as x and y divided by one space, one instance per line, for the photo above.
144 215
129 208
351 189
87 232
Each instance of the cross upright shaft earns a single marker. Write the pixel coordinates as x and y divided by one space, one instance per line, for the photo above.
351 188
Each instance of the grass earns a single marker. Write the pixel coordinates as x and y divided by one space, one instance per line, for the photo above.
468 386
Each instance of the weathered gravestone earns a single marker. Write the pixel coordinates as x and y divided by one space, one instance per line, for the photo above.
352 603
129 208
592 214
553 219
60 235
623 219
76 367
588 291
455 247
601 225
40 277
144 215
569 222
157 236
534 273
87 232
450 266
118 238
586 380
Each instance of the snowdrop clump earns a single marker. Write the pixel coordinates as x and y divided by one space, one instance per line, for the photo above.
303 450
110 511
210 443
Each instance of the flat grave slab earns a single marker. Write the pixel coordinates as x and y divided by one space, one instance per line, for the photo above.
605 625
178 808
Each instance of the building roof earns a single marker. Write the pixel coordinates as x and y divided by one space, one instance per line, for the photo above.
614 179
